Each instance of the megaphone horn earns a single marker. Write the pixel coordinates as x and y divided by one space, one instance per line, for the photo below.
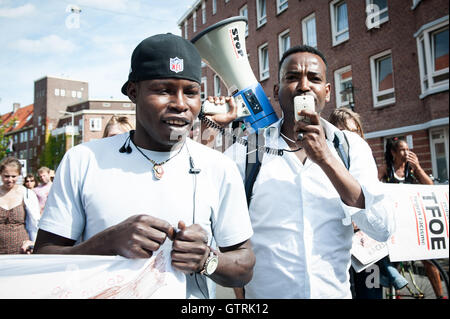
222 47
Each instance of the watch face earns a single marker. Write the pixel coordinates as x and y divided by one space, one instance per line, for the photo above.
212 264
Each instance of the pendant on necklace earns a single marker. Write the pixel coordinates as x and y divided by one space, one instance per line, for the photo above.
158 171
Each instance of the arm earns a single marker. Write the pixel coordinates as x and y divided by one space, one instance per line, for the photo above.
316 148
190 251
136 237
413 160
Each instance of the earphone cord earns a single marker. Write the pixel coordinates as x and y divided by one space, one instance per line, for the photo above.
191 163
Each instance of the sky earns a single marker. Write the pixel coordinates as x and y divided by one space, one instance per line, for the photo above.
45 37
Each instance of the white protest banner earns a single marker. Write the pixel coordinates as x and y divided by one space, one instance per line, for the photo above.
94 277
366 251
421 217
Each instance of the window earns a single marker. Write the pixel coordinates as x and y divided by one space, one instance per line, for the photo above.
56 92
382 79
284 42
79 94
309 30
281 5
263 55
339 21
214 7
203 89
74 93
194 21
203 12
415 4
217 91
439 151
343 84
377 13
95 124
244 12
261 13
106 104
186 29
126 104
62 92
432 49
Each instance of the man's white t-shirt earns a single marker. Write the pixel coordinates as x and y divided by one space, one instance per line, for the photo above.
96 187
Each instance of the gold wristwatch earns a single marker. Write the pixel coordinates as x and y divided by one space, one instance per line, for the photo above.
211 263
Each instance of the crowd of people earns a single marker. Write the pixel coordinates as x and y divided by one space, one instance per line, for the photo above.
291 239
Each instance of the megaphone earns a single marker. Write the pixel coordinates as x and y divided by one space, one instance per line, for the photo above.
222 47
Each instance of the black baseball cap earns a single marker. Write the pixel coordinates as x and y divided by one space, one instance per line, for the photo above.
164 56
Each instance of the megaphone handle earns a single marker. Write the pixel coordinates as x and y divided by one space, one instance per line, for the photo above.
213 108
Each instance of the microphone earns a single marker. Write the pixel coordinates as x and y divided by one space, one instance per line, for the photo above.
193 170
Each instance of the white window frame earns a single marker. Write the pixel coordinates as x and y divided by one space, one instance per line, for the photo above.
426 62
214 7
62 92
433 142
281 37
194 21
282 5
95 124
337 85
415 4
204 92
305 29
244 12
261 20
334 32
373 18
56 92
186 29
217 89
374 76
263 73
203 12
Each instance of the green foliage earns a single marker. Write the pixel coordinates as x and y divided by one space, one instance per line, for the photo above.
4 140
53 151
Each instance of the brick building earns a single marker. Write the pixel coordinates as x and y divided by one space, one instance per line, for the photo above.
386 59
56 101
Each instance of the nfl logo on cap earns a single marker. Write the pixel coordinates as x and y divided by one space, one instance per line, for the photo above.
176 64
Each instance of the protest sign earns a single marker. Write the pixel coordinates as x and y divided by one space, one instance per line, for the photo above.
421 217
95 277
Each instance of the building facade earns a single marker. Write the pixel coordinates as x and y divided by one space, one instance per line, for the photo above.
61 110
388 60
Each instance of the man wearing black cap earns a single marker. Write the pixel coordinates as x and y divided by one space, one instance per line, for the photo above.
129 194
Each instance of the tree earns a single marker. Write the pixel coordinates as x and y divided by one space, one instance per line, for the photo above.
53 151
5 141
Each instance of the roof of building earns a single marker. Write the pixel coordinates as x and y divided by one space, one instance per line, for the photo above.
23 117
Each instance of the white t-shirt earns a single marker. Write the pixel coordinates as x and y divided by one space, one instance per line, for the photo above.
96 187
302 229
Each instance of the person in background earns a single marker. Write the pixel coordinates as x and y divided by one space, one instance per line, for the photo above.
29 181
19 211
44 187
117 125
402 166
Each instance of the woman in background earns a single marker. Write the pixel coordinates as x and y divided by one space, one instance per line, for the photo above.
19 211
117 125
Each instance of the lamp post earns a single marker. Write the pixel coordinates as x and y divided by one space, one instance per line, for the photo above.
72 114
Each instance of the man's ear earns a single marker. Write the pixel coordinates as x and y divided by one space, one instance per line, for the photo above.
132 89
276 88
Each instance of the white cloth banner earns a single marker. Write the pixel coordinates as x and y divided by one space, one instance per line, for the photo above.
85 276
421 217
421 227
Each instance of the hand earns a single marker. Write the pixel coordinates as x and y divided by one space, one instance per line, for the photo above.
190 248
413 160
27 247
138 236
224 119
313 139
